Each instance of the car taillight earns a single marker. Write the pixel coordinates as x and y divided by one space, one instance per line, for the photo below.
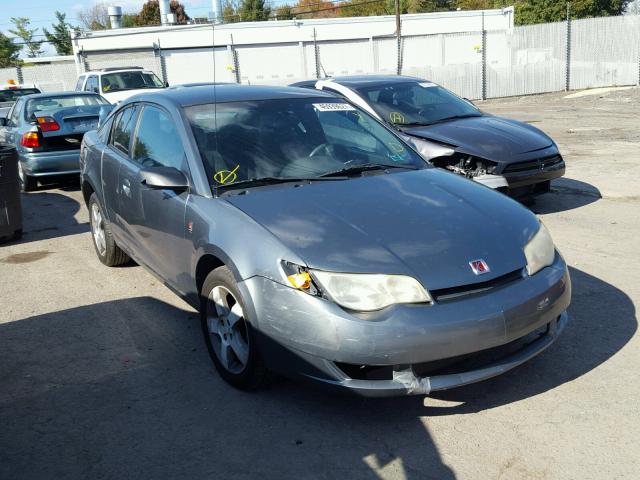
48 124
30 140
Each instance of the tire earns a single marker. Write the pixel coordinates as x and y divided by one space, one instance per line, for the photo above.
27 182
105 246
225 317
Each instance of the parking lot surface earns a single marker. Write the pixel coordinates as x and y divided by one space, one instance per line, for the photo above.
104 372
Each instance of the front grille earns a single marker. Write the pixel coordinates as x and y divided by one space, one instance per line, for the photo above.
453 293
477 360
537 164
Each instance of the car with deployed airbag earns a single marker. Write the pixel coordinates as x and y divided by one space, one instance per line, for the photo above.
452 133
317 244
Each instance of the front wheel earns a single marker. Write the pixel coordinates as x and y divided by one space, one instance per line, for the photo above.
108 252
228 333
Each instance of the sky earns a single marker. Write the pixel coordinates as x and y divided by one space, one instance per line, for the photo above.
41 12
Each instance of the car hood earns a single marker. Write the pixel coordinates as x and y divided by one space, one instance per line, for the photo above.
116 97
493 138
428 223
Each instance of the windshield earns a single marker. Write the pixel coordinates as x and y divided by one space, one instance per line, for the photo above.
291 138
13 95
416 103
115 82
42 104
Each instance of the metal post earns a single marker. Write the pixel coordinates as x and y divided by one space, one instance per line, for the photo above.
236 61
316 53
398 38
157 51
484 60
19 73
567 85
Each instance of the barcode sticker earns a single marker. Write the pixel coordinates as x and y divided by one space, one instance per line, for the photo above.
333 107
427 84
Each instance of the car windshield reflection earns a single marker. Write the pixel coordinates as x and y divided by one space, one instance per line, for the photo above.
285 139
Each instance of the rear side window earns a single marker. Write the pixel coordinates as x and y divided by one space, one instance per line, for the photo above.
80 82
124 123
13 95
157 143
92 84
14 115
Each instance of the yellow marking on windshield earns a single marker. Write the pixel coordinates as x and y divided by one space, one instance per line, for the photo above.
225 176
396 117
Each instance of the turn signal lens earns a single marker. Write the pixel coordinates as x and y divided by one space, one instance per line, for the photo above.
30 140
301 281
48 124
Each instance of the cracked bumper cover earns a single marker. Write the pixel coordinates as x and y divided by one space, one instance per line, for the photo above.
301 335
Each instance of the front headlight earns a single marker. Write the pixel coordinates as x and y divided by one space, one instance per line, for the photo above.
429 150
540 251
368 292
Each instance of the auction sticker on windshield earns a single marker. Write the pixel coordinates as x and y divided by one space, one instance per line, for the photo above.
333 107
427 84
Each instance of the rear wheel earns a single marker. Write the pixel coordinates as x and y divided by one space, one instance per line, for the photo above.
108 252
27 182
228 333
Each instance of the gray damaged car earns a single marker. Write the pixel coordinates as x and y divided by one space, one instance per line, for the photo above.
317 244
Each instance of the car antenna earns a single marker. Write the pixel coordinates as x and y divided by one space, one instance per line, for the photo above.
215 104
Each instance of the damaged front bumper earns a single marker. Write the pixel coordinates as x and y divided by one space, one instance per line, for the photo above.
408 349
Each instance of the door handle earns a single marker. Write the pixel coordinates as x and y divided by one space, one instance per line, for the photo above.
126 187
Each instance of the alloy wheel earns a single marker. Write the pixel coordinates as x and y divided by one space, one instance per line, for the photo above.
97 229
228 330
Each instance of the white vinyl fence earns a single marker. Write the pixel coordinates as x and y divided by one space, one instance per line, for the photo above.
524 60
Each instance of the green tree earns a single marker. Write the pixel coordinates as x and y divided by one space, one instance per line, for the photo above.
60 38
9 52
254 11
541 11
230 11
364 8
284 12
150 13
26 34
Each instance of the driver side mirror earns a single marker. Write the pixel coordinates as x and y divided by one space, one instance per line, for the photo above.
164 178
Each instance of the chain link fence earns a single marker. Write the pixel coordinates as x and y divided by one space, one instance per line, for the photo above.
523 60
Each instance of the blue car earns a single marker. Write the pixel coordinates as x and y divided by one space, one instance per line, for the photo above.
316 243
47 131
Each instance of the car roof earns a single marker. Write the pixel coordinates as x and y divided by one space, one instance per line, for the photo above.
115 70
198 94
61 94
20 86
358 81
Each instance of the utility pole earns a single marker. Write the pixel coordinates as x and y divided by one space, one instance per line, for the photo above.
398 40
567 86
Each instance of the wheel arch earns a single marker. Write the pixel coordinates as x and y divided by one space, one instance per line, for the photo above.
87 191
210 258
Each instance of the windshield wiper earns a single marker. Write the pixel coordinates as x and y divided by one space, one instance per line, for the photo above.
355 169
412 124
456 117
258 182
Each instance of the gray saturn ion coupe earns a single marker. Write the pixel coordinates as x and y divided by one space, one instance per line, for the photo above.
317 244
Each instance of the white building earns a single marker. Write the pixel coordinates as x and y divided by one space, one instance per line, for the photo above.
280 52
